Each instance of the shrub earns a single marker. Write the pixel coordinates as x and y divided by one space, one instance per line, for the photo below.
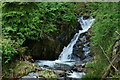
31 20
10 48
103 34
35 20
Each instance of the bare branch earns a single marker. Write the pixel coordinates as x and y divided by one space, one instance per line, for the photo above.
110 66
117 32
108 58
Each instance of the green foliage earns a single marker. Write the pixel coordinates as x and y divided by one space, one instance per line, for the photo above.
97 66
103 33
35 20
10 48
48 74
31 20
19 68
105 25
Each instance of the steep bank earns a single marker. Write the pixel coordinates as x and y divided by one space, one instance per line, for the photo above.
104 32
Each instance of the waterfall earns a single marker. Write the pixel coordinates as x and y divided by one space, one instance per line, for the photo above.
66 54
66 60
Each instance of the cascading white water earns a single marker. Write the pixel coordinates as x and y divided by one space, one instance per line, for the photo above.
66 58
67 51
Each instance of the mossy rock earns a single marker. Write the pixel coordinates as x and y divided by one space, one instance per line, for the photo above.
46 73
19 68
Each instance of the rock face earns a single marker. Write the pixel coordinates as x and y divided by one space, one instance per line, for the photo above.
81 48
49 47
46 49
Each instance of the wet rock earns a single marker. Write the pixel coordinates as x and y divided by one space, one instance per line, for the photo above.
116 47
91 54
43 48
79 53
116 50
29 77
32 75
86 17
83 39
88 58
62 67
46 65
78 63
81 48
82 70
59 72
78 43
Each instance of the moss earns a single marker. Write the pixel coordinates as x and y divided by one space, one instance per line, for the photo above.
48 74
22 68
97 66
18 68
103 34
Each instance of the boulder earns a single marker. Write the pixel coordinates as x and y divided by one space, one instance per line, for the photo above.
79 53
79 63
82 70
91 54
62 67
59 72
88 58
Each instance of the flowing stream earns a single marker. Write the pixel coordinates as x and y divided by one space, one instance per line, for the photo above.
66 57
67 51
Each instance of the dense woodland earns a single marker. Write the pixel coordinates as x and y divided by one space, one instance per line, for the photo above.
22 21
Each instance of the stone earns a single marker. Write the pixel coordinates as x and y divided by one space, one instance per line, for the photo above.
78 63
88 58
59 72
62 66
29 76
34 74
79 53
91 54
116 47
82 70
46 66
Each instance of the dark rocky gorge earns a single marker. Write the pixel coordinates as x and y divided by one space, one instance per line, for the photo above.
73 66
51 45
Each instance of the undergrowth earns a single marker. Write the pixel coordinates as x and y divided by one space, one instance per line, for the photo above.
103 34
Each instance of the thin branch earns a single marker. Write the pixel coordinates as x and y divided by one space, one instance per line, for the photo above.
110 66
117 32
108 58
